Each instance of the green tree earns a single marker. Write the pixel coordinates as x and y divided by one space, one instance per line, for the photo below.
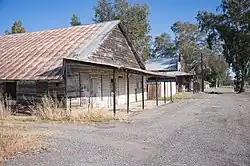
230 26
189 44
216 69
164 46
6 32
17 27
133 16
104 11
75 21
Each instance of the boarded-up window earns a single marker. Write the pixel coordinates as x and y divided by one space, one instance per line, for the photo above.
41 88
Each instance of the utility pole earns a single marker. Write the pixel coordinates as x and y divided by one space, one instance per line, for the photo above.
202 74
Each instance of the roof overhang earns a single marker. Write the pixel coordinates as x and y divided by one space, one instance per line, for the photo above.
177 73
118 67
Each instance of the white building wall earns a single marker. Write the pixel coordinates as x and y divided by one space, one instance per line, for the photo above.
168 88
102 95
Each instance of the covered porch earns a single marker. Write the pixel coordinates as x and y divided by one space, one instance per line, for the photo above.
91 85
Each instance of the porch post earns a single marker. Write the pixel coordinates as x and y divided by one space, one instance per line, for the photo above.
156 91
101 88
114 92
65 82
80 89
171 92
193 84
142 86
164 91
127 92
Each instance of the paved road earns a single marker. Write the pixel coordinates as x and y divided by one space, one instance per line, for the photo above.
209 130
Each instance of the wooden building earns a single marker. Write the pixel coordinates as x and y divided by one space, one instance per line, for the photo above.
91 65
177 81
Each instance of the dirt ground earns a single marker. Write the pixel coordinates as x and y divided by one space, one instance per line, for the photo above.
210 129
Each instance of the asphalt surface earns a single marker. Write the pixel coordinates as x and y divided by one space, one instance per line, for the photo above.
208 130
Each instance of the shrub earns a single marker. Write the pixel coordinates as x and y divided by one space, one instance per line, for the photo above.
52 109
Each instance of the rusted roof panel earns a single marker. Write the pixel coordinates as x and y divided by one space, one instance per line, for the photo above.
39 55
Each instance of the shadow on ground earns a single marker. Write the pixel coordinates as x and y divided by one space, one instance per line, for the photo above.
216 92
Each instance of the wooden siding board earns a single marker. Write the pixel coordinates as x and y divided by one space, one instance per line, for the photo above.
115 50
31 90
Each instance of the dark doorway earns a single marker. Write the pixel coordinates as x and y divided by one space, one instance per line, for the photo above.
10 90
41 88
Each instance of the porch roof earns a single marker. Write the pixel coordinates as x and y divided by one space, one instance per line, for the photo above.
119 67
176 73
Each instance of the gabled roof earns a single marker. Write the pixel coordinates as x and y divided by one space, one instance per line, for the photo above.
162 64
39 55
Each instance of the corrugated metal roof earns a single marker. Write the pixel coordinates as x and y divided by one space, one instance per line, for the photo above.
121 67
162 64
176 73
39 55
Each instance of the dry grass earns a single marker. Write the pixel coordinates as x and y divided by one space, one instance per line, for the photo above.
92 116
51 109
123 117
16 139
4 112
180 96
183 95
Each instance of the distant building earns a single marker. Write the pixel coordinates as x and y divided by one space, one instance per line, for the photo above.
171 67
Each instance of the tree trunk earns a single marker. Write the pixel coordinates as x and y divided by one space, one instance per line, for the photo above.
216 83
242 81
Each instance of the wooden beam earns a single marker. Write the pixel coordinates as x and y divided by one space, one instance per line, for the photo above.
114 93
127 92
142 86
136 94
66 84
165 92
80 89
171 92
101 88
156 91
70 104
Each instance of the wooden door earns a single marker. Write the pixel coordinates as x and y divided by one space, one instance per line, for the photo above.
152 91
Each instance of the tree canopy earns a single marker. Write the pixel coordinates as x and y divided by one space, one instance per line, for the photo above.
104 11
17 27
230 27
135 17
164 46
190 43
75 21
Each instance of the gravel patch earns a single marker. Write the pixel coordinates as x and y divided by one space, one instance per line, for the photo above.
211 129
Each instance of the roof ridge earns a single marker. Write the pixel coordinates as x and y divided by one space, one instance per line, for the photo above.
46 30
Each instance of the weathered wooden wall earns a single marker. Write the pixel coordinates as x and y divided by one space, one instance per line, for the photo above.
33 90
91 87
1 87
115 50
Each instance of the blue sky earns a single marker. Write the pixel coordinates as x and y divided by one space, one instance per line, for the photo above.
49 14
